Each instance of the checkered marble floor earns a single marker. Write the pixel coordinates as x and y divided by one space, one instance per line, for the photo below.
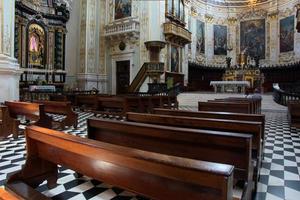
279 174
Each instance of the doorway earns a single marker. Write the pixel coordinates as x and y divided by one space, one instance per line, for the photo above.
123 76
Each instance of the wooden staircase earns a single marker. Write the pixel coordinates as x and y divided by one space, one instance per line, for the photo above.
151 69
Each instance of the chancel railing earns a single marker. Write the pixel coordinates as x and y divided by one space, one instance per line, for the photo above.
282 97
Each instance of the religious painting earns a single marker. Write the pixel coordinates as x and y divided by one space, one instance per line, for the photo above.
174 59
287 34
253 39
220 40
122 9
200 37
36 46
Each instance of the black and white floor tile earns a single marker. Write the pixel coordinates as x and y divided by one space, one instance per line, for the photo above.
279 174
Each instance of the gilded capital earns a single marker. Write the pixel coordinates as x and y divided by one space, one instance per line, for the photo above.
231 20
209 18
273 15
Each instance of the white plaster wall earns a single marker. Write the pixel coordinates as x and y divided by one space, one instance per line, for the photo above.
72 44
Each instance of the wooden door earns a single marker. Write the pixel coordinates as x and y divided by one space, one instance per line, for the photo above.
123 73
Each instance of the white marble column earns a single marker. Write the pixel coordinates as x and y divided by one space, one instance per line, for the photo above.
232 38
87 74
209 42
9 68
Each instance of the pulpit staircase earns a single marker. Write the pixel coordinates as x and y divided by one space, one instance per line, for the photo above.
149 69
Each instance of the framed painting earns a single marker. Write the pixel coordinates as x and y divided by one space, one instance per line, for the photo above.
253 38
122 9
174 59
200 37
287 27
220 40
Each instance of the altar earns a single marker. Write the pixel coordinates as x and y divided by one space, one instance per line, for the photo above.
230 86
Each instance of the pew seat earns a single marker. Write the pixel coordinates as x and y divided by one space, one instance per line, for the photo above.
150 174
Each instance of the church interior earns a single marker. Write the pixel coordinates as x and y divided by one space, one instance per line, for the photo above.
150 99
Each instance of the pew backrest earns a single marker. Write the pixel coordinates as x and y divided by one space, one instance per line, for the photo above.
212 146
216 115
233 107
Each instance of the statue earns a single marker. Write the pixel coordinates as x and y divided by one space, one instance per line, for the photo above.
228 62
256 59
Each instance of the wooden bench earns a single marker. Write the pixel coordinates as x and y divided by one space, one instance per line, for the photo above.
114 105
294 113
7 124
247 127
233 107
32 111
255 104
216 115
153 175
61 108
213 146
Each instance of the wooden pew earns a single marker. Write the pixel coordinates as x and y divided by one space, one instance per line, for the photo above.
58 97
253 128
233 107
216 115
153 175
31 111
294 113
255 104
213 146
84 102
114 105
7 124
61 108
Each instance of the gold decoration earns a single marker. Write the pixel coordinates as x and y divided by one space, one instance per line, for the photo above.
231 20
208 18
273 15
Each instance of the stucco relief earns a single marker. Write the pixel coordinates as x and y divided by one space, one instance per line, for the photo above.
286 57
83 36
144 21
7 40
252 14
